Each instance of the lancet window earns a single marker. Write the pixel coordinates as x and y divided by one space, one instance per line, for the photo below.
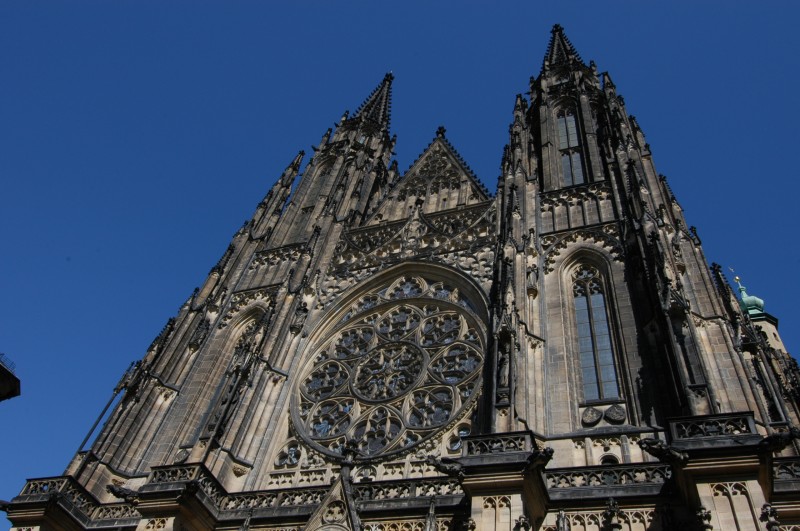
569 147
595 345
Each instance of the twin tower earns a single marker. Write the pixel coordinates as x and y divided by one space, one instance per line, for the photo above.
407 352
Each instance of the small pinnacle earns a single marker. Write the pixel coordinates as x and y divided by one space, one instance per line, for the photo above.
440 131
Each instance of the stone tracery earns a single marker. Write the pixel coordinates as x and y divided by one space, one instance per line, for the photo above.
403 363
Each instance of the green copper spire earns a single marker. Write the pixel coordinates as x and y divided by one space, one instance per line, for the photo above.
749 303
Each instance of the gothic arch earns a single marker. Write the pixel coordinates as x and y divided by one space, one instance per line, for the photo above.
603 240
467 286
584 322
564 102
226 339
225 342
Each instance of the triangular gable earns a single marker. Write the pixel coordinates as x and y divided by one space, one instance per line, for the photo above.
334 512
438 180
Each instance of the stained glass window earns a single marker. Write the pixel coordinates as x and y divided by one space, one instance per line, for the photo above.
595 347
393 373
569 145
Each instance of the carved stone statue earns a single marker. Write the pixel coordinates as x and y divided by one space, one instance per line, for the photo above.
662 451
778 441
503 365
562 522
445 465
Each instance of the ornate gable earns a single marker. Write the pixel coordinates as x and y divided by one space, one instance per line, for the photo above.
335 512
438 180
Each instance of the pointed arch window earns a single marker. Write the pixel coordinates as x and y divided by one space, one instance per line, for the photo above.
598 370
569 147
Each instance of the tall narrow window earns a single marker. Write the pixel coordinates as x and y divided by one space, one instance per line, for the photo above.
569 147
594 336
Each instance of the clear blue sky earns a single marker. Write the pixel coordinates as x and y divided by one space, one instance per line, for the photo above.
137 136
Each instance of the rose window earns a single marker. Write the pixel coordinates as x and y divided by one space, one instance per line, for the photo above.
401 365
388 371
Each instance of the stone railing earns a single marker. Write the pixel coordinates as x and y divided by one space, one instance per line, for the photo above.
195 478
519 441
404 489
276 499
273 499
77 501
44 486
708 426
786 474
175 474
607 481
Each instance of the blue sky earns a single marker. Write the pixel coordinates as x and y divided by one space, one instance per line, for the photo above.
137 136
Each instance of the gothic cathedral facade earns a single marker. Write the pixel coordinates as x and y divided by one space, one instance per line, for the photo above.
388 351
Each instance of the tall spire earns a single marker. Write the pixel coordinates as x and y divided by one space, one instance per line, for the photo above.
560 51
377 107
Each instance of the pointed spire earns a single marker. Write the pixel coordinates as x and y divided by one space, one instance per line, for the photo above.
298 159
560 51
520 104
608 84
289 174
282 187
378 105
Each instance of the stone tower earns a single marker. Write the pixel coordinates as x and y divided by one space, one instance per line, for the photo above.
387 351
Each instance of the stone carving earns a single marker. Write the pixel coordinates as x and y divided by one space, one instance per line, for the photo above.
404 363
628 518
407 525
402 489
562 524
704 516
128 495
611 514
243 299
770 517
606 236
459 237
496 444
615 414
273 257
175 474
335 512
523 523
780 440
116 512
199 335
712 427
663 452
639 474
239 373
446 465
67 490
591 416
786 468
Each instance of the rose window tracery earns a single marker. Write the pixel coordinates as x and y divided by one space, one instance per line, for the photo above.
389 371
403 364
